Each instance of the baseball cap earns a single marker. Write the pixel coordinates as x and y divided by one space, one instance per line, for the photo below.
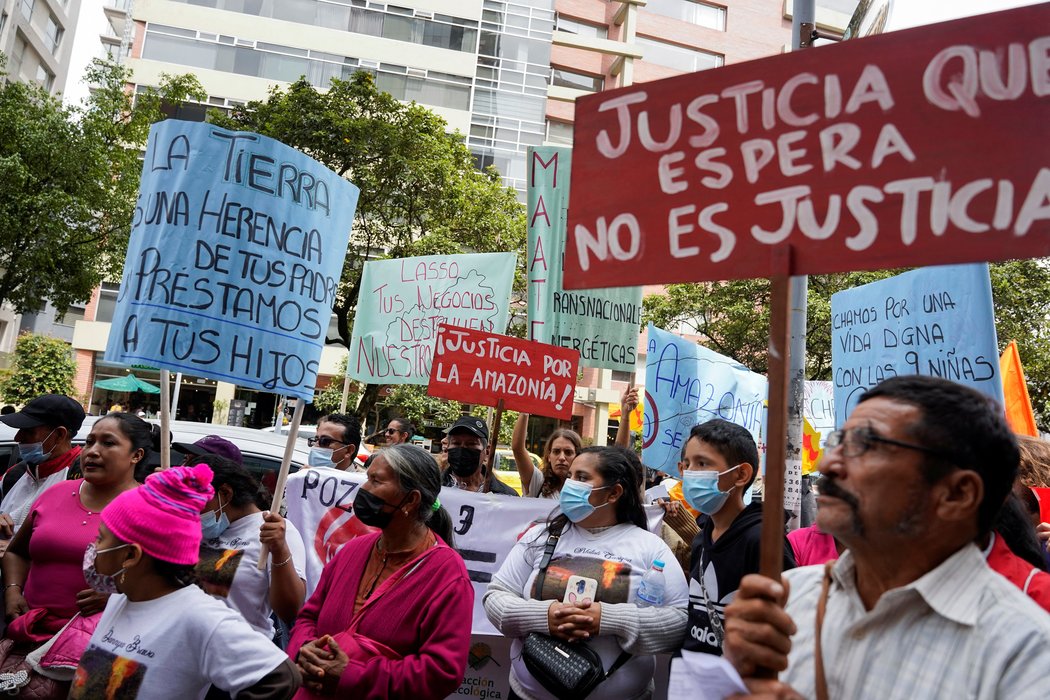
211 444
50 409
471 424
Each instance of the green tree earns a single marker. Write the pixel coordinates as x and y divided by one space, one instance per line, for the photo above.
329 399
412 402
68 183
733 318
42 365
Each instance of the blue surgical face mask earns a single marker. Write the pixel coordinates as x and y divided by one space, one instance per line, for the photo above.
575 499
700 489
320 457
214 522
33 452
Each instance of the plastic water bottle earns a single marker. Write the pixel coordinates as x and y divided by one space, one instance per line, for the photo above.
651 589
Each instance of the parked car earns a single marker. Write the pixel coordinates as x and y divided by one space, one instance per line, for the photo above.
507 470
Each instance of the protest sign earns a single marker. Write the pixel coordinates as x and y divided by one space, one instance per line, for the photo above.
687 384
818 416
404 301
601 324
916 147
236 250
485 368
937 321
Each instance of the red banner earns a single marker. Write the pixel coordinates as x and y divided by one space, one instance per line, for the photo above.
923 146
478 367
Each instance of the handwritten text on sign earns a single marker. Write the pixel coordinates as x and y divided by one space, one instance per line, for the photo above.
687 384
916 147
938 321
404 301
235 254
602 324
476 367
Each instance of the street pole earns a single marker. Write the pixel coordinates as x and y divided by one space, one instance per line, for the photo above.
803 21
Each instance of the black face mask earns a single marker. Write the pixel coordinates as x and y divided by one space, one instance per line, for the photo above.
368 508
464 461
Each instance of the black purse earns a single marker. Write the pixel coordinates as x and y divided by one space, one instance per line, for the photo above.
568 670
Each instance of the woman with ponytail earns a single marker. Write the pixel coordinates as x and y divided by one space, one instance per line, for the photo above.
391 615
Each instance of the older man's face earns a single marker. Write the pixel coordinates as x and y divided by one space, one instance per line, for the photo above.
879 494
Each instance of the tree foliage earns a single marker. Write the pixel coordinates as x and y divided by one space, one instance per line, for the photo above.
329 399
42 365
733 318
69 179
420 192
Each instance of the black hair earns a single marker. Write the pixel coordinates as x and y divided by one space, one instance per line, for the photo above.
406 425
143 435
351 427
1013 524
965 428
615 467
732 441
417 471
246 488
176 575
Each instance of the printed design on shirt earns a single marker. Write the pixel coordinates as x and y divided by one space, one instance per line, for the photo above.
613 577
102 675
217 568
337 527
703 636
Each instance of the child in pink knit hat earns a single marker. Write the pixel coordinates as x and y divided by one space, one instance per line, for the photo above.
160 636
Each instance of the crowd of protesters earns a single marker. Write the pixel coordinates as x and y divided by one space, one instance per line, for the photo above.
924 574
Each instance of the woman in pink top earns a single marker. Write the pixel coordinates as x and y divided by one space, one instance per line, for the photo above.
391 615
811 546
44 583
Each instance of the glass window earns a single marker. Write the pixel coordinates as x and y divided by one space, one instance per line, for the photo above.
53 34
578 81
678 57
45 77
581 28
3 21
699 13
27 8
559 132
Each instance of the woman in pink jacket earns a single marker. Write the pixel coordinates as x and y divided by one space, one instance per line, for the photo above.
391 615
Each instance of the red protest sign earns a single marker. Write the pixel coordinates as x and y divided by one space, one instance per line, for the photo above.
478 367
925 146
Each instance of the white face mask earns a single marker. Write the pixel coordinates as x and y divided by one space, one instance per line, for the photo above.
320 457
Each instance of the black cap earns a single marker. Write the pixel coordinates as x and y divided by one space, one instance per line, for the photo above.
471 424
50 409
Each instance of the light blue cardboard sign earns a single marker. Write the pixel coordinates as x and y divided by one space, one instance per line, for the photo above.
404 301
687 384
235 255
936 321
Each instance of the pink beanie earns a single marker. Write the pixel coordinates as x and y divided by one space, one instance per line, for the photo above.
163 515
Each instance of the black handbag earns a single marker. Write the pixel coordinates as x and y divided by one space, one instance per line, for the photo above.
568 670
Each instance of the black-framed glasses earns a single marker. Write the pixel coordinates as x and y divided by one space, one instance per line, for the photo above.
857 441
323 441
392 431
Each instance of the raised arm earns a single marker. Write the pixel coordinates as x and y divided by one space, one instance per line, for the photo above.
526 469
628 402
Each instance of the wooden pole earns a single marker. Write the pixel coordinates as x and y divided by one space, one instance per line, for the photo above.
493 439
772 550
286 464
165 420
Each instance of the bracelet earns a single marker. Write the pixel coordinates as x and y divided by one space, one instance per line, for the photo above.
277 566
14 584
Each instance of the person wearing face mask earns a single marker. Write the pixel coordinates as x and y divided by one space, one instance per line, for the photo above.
45 594
603 547
160 636
335 443
719 463
391 615
45 428
466 456
234 526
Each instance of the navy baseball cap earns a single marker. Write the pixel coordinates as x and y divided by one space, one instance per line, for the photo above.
50 409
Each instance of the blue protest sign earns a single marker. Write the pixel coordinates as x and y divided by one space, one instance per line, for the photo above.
687 384
234 259
937 321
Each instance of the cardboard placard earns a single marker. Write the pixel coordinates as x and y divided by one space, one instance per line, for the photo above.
483 368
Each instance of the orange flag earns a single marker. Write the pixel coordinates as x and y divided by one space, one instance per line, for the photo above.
1015 391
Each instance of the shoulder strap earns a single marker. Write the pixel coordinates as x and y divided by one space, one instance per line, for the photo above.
623 658
548 552
821 683
12 475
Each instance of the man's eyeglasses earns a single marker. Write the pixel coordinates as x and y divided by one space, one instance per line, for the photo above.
323 441
857 441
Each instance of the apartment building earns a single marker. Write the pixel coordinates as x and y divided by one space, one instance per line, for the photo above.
37 36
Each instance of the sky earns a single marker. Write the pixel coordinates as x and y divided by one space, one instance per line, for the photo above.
906 13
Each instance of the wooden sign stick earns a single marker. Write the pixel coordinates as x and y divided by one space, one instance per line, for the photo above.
494 438
286 465
165 421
